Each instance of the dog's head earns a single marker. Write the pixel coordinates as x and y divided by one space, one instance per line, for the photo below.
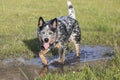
47 32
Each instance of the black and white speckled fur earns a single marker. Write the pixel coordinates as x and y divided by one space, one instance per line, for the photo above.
58 32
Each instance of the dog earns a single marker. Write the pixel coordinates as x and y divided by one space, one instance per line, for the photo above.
56 32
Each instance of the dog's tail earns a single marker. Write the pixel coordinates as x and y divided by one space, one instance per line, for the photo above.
71 10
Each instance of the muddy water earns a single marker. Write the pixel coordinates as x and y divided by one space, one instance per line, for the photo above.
22 69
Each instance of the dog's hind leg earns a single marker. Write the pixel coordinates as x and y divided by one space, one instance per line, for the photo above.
75 38
77 48
76 44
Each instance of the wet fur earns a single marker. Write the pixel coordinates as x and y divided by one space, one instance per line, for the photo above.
57 32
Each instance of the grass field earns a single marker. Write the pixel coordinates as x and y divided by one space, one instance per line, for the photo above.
99 22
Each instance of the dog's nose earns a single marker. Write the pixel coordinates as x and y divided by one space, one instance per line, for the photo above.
46 39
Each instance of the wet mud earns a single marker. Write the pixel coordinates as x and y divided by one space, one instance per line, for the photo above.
23 69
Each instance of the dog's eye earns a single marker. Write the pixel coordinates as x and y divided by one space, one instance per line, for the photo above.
43 32
50 33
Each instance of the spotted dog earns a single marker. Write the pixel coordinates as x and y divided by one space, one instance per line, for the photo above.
57 32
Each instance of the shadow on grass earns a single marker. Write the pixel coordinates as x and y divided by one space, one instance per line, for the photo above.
33 45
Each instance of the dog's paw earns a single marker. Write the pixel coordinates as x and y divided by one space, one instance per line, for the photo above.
78 57
45 64
52 61
56 62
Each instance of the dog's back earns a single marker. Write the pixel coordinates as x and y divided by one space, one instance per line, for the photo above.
67 26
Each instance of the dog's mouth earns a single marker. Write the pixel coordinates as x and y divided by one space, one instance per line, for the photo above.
46 45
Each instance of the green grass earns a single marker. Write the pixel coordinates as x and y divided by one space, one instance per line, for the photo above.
99 21
87 73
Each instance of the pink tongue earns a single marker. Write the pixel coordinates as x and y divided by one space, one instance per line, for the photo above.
46 45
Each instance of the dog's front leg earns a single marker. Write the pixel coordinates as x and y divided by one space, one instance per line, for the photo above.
62 51
42 57
61 55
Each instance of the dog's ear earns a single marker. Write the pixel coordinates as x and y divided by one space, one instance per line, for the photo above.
40 22
54 23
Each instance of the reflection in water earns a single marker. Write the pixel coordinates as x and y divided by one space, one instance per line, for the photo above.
45 69
33 68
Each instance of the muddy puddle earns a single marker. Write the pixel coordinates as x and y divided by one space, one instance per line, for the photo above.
22 69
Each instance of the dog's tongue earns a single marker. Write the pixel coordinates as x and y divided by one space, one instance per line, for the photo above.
46 45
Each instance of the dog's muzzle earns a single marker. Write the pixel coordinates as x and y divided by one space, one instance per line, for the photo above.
46 43
46 40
